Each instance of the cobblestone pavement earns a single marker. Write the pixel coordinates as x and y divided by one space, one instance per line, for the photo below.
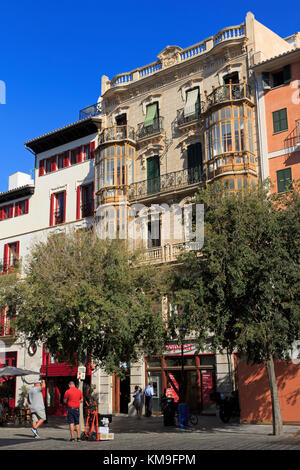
150 434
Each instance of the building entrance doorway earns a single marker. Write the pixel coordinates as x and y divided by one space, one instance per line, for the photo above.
121 393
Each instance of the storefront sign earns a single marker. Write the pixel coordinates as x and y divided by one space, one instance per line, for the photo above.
175 349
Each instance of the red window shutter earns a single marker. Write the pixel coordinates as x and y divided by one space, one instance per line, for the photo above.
78 209
51 209
17 249
53 164
42 168
93 198
11 211
1 213
5 258
27 206
66 162
65 200
17 209
79 155
92 148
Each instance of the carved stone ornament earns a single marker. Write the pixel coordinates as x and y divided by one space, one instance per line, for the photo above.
170 56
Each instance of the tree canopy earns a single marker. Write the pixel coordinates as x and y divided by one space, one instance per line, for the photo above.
87 297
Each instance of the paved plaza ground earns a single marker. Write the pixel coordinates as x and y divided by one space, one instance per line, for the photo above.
149 434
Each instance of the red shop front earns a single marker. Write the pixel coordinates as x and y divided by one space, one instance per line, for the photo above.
198 376
58 375
8 385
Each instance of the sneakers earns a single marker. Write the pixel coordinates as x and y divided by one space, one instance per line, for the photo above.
35 433
37 437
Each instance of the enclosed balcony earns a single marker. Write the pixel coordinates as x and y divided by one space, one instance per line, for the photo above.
117 134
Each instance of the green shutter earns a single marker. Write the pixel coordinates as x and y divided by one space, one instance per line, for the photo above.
284 180
287 77
153 174
266 83
280 120
151 115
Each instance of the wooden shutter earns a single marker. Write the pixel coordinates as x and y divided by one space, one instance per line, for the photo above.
92 148
52 209
27 206
266 82
78 209
93 198
284 179
53 164
17 209
151 114
5 258
64 209
153 174
66 159
11 211
42 168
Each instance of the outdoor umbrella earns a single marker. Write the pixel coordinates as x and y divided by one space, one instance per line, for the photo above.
15 372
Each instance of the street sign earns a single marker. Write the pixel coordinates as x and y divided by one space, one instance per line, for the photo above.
81 372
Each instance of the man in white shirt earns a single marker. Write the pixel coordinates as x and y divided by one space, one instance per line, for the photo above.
149 399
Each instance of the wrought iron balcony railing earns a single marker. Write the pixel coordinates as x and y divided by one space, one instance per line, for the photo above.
167 182
92 110
147 131
293 139
184 119
117 133
230 92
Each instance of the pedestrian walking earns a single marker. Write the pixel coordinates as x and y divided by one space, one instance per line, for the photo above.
149 399
73 397
37 406
137 402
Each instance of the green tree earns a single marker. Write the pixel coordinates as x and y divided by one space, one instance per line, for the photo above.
242 293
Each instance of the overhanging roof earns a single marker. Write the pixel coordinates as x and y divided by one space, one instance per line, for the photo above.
16 193
278 61
65 134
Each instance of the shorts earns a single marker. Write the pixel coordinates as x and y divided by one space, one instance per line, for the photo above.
37 415
73 416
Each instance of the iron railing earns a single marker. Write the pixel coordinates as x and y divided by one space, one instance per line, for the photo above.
154 128
117 133
293 139
92 110
182 119
167 182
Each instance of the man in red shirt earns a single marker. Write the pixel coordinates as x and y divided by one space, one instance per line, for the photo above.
72 398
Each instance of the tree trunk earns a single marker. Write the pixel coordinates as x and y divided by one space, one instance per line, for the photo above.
276 412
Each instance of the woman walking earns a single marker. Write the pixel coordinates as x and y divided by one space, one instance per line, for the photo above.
137 402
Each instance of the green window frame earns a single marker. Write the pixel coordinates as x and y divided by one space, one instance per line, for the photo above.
284 180
280 122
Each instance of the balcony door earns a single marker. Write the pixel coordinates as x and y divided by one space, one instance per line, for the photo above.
153 175
194 162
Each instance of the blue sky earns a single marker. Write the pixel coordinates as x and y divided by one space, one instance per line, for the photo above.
52 54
